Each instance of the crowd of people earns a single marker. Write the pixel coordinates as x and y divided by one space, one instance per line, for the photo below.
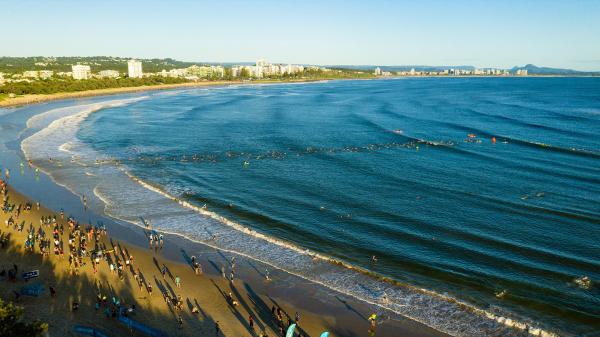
86 246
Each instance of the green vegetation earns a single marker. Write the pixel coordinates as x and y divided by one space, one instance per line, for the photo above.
70 85
12 326
97 63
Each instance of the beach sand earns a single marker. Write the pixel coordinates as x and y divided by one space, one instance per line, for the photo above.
208 292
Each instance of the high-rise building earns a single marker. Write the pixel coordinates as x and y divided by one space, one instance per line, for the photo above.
81 72
134 69
377 71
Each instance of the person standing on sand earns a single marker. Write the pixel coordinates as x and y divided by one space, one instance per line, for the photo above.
180 321
251 322
177 282
217 328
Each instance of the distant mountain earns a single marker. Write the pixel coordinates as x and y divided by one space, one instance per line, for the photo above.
535 70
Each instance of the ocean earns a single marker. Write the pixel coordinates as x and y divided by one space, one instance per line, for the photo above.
469 204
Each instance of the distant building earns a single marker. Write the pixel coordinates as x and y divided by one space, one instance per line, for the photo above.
261 63
81 72
46 74
109 74
134 69
177 72
30 74
205 71
377 71
263 68
522 72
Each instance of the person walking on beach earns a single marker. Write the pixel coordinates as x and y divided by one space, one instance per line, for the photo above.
163 271
177 282
217 329
251 322
373 321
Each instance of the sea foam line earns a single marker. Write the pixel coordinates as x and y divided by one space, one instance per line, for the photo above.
512 323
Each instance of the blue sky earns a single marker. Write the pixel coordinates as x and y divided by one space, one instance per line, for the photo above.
377 32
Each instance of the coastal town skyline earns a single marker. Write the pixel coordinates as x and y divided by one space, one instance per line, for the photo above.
558 35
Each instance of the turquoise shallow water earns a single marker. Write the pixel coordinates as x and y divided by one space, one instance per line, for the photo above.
352 169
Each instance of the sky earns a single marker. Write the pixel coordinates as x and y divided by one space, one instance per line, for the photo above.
483 33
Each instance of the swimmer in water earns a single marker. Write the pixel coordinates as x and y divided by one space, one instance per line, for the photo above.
584 282
374 259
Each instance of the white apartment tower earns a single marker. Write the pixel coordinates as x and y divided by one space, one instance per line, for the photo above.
134 69
81 72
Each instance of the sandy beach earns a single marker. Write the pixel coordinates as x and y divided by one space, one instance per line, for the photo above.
192 309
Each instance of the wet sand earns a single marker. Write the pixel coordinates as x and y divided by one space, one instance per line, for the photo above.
320 309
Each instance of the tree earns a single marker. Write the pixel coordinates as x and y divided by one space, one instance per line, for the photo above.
11 325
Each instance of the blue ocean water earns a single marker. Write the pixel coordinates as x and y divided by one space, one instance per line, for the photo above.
484 190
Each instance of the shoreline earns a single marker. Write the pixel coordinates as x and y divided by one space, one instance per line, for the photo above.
207 291
328 309
21 101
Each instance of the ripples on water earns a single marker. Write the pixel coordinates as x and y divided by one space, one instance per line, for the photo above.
405 170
